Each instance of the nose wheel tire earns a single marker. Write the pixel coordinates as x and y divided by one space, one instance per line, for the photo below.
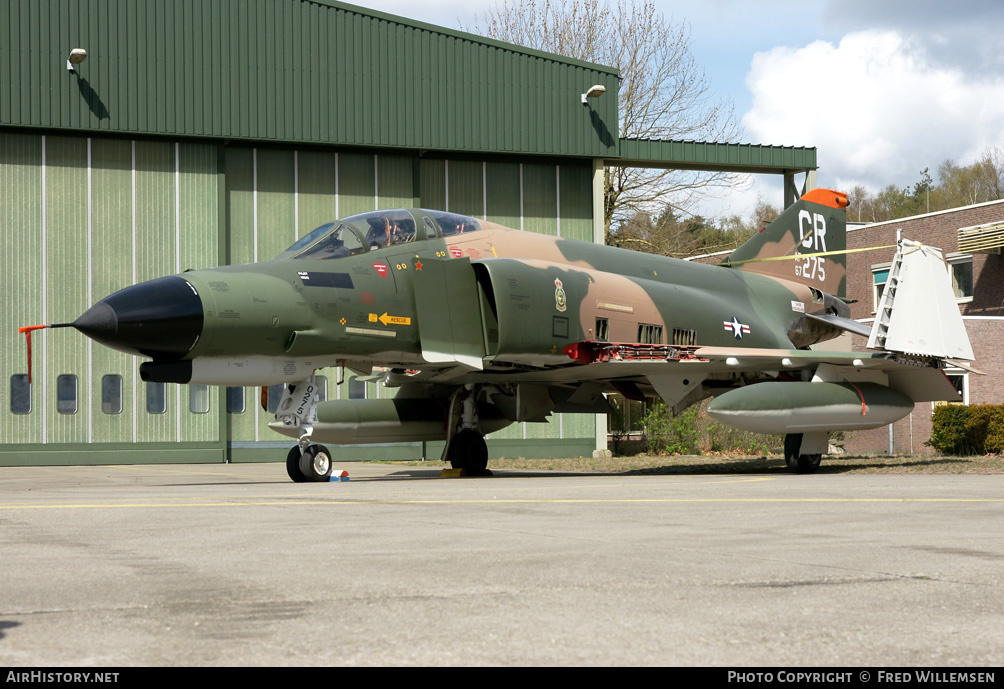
293 465
468 451
800 464
315 463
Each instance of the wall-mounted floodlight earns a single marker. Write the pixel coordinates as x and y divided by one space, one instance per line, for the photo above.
594 92
77 55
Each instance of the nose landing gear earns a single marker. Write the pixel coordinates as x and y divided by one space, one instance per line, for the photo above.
297 408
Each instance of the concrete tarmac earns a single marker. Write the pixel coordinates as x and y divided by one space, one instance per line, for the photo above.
229 565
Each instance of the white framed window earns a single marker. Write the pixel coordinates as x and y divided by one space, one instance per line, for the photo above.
960 379
961 266
880 276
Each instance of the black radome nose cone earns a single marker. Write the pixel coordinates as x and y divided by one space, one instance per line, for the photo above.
161 319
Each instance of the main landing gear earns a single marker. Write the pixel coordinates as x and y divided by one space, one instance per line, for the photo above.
802 452
465 444
467 450
305 462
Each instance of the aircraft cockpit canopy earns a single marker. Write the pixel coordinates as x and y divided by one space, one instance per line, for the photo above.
338 241
377 230
452 224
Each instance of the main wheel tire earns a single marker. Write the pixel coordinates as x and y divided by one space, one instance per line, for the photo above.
293 465
469 451
800 464
315 464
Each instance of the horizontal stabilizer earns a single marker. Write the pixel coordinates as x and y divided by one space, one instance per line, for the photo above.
918 313
848 324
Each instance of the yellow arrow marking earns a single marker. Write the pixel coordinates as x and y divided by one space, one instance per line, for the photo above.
396 320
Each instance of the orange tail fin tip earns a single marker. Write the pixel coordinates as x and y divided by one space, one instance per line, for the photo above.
827 197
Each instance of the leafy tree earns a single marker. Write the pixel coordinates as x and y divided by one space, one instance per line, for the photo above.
958 185
663 92
977 183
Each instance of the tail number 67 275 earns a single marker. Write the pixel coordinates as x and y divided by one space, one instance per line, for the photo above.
811 267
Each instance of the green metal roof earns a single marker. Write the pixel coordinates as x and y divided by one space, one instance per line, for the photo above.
700 155
293 71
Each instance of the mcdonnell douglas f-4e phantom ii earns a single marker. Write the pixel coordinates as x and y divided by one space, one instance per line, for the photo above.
479 326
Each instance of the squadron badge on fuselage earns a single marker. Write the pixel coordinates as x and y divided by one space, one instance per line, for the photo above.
559 295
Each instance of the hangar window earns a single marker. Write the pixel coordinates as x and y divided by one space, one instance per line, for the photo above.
962 276
20 394
111 394
156 398
66 394
275 396
357 389
235 400
198 399
322 388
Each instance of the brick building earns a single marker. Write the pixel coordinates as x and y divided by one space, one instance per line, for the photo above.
978 279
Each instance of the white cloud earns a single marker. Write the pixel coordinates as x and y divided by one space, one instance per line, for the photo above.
876 105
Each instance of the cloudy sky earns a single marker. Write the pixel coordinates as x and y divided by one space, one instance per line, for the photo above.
882 88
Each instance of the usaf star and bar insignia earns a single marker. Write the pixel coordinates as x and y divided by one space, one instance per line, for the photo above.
738 329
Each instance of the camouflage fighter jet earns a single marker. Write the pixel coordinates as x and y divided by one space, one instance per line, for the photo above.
479 326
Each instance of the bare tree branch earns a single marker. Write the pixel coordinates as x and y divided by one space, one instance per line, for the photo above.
663 93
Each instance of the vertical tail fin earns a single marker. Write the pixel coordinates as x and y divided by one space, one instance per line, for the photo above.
815 224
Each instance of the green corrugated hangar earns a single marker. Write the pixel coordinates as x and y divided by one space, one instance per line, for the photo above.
195 134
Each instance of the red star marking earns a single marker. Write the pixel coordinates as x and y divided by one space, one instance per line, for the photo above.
418 265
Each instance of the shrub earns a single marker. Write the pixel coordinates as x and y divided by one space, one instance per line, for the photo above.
968 430
948 430
668 432
693 432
